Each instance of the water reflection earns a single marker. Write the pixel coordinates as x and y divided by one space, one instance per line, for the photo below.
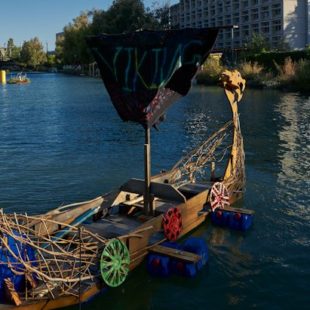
294 153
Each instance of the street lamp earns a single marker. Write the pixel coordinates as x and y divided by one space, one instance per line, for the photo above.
232 42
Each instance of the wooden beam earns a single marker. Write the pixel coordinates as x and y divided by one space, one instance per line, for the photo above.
182 255
237 210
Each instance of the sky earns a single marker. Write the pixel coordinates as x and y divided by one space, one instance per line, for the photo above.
26 19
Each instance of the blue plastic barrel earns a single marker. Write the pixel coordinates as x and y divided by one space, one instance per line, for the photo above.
239 221
193 245
220 217
158 265
26 251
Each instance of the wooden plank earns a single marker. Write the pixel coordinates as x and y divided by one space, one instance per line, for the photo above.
193 225
238 210
134 186
160 190
182 255
167 192
133 201
194 188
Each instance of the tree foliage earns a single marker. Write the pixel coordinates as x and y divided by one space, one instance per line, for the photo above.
32 53
72 48
126 16
13 50
122 16
257 44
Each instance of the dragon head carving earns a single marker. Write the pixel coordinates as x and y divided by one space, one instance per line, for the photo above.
233 84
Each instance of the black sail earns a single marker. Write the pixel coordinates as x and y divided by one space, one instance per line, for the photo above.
146 71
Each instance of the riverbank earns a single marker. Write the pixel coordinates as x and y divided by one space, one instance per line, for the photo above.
290 76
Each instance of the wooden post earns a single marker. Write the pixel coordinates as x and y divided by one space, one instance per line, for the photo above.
147 171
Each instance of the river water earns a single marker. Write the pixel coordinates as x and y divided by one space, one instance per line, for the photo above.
61 141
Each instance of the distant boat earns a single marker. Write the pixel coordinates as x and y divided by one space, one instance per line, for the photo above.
20 78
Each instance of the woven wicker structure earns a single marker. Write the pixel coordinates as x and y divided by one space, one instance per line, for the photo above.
49 265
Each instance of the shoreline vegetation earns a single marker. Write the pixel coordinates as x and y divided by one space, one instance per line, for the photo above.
288 75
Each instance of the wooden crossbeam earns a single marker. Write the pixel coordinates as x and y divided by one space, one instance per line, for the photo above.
182 255
238 210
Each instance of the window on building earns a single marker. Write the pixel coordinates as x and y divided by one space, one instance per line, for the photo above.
236 20
276 26
254 16
245 33
245 3
265 27
276 12
235 6
255 27
276 6
245 18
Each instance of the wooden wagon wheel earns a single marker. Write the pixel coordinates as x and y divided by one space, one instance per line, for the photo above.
114 263
172 223
219 197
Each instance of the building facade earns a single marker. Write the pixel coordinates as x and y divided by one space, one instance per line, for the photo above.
277 20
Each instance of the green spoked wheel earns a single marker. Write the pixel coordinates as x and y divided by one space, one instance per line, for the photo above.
114 263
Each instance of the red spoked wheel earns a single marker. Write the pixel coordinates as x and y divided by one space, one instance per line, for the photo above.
172 223
219 198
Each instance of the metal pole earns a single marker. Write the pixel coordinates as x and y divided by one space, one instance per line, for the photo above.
232 46
147 171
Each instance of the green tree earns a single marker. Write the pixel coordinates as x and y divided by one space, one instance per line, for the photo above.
59 56
32 53
122 16
99 24
257 44
160 14
73 47
126 16
13 50
50 60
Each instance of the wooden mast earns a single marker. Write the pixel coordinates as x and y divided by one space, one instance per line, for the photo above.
147 172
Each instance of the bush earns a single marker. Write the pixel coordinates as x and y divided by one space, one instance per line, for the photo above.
251 70
210 71
294 75
286 72
269 59
302 79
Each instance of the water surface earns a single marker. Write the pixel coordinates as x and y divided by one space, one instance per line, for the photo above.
62 141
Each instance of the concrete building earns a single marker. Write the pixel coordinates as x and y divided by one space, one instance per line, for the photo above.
278 20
